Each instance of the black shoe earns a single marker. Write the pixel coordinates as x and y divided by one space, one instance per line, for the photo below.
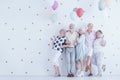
72 75
69 75
90 75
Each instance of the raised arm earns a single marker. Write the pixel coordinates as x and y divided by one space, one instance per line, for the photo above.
52 39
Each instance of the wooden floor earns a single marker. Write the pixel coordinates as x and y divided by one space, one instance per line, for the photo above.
57 78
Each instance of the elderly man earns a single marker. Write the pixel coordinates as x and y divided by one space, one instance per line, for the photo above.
71 36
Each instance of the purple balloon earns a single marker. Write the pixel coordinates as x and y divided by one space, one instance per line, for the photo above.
55 5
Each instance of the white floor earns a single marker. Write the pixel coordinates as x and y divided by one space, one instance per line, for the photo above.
57 78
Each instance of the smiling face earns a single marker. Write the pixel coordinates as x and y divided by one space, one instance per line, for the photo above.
62 32
90 27
71 27
99 34
80 31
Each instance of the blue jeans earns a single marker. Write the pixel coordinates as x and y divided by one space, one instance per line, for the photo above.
70 55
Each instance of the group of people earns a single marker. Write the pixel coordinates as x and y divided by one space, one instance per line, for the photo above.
84 47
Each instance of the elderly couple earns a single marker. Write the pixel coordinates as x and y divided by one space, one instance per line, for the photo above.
81 47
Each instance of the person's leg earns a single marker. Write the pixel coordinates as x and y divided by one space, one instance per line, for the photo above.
68 61
55 68
77 68
56 62
93 61
88 63
77 65
99 63
90 68
76 58
82 64
58 71
82 68
72 55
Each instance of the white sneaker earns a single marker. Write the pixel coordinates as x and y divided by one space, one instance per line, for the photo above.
99 74
82 74
78 73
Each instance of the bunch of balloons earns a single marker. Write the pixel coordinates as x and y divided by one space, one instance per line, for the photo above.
102 4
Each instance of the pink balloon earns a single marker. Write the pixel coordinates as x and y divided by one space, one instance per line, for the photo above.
55 5
79 12
107 2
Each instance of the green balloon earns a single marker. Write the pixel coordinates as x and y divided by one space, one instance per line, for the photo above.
75 9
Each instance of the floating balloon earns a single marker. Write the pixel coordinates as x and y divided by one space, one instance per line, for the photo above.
55 5
107 2
53 18
101 5
79 12
48 14
73 16
75 9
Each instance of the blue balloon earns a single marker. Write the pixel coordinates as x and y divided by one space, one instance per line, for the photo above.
54 18
73 16
101 5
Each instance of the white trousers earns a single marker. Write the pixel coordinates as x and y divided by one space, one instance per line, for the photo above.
89 52
97 59
56 56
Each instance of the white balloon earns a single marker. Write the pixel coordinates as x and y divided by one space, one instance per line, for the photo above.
54 18
73 15
101 5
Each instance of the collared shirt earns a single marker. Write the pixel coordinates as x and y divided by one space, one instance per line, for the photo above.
72 37
89 39
98 45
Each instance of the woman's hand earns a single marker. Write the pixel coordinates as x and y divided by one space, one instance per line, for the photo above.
52 38
67 43
75 43
64 46
103 43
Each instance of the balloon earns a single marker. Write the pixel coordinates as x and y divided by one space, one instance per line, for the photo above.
48 14
73 16
107 2
80 12
53 18
75 9
101 5
55 5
